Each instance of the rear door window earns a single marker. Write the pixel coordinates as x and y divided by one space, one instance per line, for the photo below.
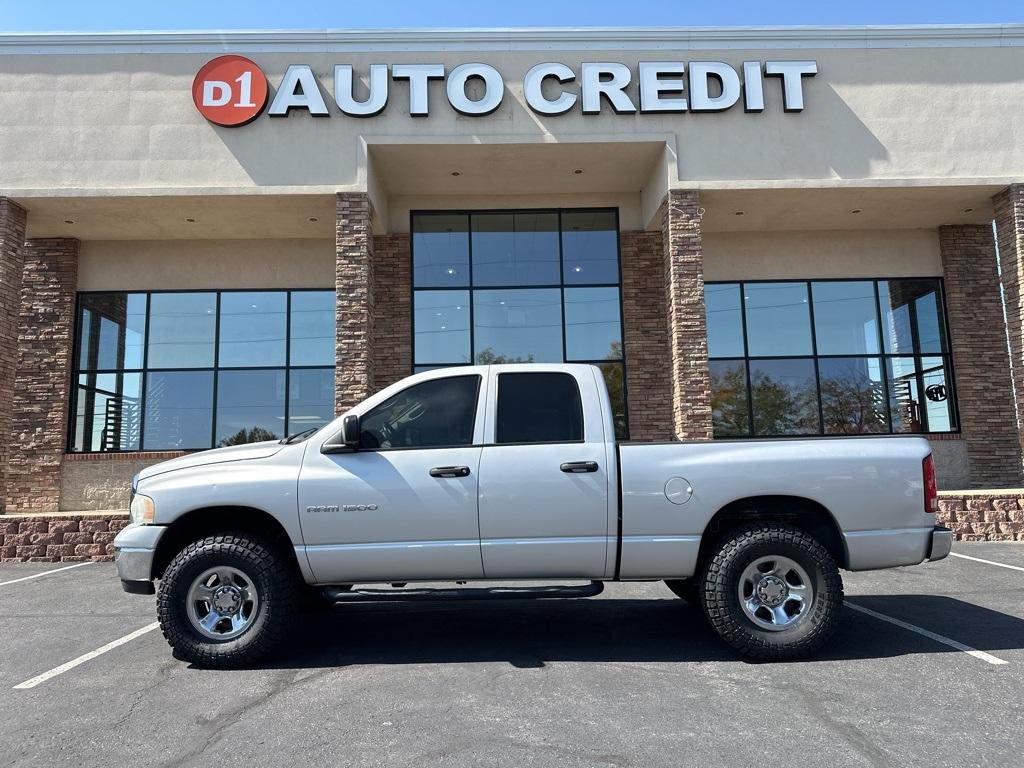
538 408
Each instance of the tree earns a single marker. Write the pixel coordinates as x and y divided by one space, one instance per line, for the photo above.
242 436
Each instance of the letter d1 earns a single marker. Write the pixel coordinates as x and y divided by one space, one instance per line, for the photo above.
230 90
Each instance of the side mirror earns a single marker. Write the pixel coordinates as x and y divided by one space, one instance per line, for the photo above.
346 441
350 432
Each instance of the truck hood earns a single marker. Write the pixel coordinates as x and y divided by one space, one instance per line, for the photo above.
262 450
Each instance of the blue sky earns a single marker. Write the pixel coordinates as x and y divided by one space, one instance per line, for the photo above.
67 15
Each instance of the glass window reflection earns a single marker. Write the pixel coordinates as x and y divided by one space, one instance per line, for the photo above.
724 319
518 326
593 330
310 398
778 319
250 406
729 399
440 246
178 410
312 328
590 247
912 316
784 395
182 330
515 249
441 320
253 326
845 317
853 400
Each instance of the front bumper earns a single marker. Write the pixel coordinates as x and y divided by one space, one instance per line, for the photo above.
134 551
941 543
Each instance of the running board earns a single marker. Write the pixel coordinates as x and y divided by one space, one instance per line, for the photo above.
411 594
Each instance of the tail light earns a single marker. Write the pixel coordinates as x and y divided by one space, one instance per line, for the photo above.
931 489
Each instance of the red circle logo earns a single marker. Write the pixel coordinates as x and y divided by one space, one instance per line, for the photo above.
230 90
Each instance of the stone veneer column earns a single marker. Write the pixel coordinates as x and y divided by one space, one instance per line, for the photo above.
1009 212
391 356
687 325
42 382
353 282
645 336
980 359
12 260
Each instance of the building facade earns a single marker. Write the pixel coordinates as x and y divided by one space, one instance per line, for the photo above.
209 239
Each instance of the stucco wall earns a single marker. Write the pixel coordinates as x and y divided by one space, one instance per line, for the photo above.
119 119
197 264
821 254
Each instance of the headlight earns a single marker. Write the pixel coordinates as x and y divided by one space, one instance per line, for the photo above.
143 509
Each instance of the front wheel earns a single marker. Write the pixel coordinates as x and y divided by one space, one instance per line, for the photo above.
772 592
226 601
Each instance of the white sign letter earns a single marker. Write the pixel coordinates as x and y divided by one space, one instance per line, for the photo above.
419 76
494 89
658 78
216 93
595 85
299 90
533 89
344 94
753 87
792 74
701 73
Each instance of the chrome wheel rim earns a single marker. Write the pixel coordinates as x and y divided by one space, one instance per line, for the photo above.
222 603
775 593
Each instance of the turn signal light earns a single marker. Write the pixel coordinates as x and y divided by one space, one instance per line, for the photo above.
931 489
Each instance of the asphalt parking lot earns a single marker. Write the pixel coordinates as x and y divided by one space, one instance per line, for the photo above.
631 678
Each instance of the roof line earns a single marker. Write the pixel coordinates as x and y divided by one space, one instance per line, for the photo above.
524 38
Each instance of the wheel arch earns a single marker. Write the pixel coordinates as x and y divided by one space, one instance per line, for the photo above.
209 521
808 515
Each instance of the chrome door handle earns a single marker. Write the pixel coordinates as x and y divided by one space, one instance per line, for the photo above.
576 467
449 472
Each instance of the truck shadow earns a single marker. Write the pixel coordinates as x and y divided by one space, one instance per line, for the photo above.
529 634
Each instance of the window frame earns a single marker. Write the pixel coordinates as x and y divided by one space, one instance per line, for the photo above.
882 356
561 286
144 370
472 430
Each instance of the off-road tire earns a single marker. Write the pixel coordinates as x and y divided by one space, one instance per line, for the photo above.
274 578
687 589
719 592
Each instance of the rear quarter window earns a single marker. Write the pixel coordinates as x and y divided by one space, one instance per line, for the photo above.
538 408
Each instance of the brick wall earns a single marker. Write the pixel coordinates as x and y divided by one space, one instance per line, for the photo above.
392 306
12 257
1009 214
354 308
42 382
980 358
59 538
645 336
687 325
983 516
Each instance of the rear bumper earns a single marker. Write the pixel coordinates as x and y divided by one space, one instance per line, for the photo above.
941 543
890 547
134 551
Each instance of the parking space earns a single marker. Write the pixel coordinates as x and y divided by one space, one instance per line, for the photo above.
632 677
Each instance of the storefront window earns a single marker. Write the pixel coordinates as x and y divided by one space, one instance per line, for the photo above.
519 286
829 357
195 370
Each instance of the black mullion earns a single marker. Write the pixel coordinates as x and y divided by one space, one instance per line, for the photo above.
471 291
883 360
561 287
746 360
814 353
287 359
144 388
412 298
216 364
76 351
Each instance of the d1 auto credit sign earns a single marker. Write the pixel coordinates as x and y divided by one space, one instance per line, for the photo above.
230 90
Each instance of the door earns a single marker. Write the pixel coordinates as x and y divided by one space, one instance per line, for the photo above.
544 508
404 506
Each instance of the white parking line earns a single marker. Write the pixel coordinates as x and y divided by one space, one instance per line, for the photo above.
33 682
987 562
931 635
45 573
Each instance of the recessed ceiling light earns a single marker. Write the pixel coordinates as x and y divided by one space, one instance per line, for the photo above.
456 173
451 271
856 210
968 210
578 171
190 220
577 268
738 213
313 219
69 221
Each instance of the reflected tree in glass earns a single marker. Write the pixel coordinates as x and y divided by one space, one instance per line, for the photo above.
729 399
852 396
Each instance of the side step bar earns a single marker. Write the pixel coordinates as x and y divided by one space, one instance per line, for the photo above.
410 594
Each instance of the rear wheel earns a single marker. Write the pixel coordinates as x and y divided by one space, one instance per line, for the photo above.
226 601
772 592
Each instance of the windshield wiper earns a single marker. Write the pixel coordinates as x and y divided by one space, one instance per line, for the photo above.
298 436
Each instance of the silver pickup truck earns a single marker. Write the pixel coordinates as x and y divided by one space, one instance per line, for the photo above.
512 472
